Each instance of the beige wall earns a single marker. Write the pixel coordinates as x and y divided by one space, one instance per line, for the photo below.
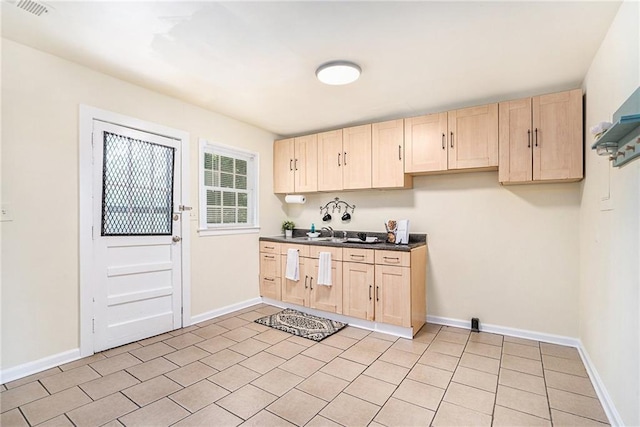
40 98
508 255
610 232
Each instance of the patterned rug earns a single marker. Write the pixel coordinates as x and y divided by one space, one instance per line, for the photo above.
301 324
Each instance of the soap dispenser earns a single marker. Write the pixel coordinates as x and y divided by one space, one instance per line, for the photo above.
313 228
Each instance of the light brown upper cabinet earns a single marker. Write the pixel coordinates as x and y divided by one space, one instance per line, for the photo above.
356 144
344 159
541 139
454 140
295 165
473 137
387 163
330 160
425 143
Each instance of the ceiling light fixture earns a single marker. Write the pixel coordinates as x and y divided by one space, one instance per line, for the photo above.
338 72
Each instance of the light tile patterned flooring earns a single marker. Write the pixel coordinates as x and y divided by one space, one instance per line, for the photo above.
230 371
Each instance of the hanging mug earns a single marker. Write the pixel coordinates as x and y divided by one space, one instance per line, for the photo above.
346 216
326 217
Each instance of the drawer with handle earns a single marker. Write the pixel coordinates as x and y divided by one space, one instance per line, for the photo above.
270 247
303 250
400 258
357 255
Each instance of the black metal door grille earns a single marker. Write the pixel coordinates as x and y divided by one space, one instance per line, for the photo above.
137 187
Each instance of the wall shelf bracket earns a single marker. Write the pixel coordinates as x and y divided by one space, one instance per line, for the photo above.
622 140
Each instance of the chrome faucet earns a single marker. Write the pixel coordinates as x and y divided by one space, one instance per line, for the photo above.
329 229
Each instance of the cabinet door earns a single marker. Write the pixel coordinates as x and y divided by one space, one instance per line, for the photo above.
283 165
393 295
330 160
425 143
270 276
356 146
557 147
387 164
516 141
357 294
473 137
326 298
305 163
293 291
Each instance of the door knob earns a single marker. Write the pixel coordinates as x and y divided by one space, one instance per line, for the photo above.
176 239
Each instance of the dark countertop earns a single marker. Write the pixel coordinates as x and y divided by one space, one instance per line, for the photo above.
300 237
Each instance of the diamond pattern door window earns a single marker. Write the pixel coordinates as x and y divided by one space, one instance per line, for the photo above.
225 180
137 187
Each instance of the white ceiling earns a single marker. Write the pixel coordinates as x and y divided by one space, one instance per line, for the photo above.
256 61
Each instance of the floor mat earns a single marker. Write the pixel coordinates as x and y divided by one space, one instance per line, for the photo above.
302 324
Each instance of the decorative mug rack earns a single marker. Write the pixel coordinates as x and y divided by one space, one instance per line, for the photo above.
337 204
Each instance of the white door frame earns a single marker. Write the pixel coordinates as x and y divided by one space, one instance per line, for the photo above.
87 116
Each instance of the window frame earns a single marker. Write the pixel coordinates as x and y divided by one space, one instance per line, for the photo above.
253 172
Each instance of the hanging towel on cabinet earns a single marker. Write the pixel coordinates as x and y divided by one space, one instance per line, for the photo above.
324 269
293 266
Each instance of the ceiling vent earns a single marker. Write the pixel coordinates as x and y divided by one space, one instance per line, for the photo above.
33 7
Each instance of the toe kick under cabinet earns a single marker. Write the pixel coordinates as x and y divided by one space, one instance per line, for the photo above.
385 286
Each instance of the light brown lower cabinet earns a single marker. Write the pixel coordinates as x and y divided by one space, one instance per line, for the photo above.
270 270
357 285
386 286
376 285
306 291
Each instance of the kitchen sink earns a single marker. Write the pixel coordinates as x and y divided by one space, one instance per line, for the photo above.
321 239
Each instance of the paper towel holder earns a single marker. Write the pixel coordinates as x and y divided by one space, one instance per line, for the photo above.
295 198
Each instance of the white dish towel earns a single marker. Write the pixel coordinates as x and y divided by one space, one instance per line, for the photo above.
293 266
324 269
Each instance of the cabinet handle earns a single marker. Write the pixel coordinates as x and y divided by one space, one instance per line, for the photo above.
370 292
344 158
536 137
305 281
392 258
269 280
269 247
311 282
399 152
357 256
377 293
528 138
295 164
290 164
269 256
443 141
451 139
338 159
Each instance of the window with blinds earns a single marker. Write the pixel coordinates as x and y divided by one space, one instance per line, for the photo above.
227 188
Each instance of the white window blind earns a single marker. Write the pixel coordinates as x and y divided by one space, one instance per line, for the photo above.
228 201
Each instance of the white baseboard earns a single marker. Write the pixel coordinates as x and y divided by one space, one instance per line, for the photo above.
503 330
224 310
605 399
48 362
601 391
36 366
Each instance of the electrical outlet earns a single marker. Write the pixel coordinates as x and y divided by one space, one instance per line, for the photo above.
7 213
475 324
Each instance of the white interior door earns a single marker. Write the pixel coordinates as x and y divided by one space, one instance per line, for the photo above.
137 288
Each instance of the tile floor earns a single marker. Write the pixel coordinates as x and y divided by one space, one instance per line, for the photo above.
231 371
